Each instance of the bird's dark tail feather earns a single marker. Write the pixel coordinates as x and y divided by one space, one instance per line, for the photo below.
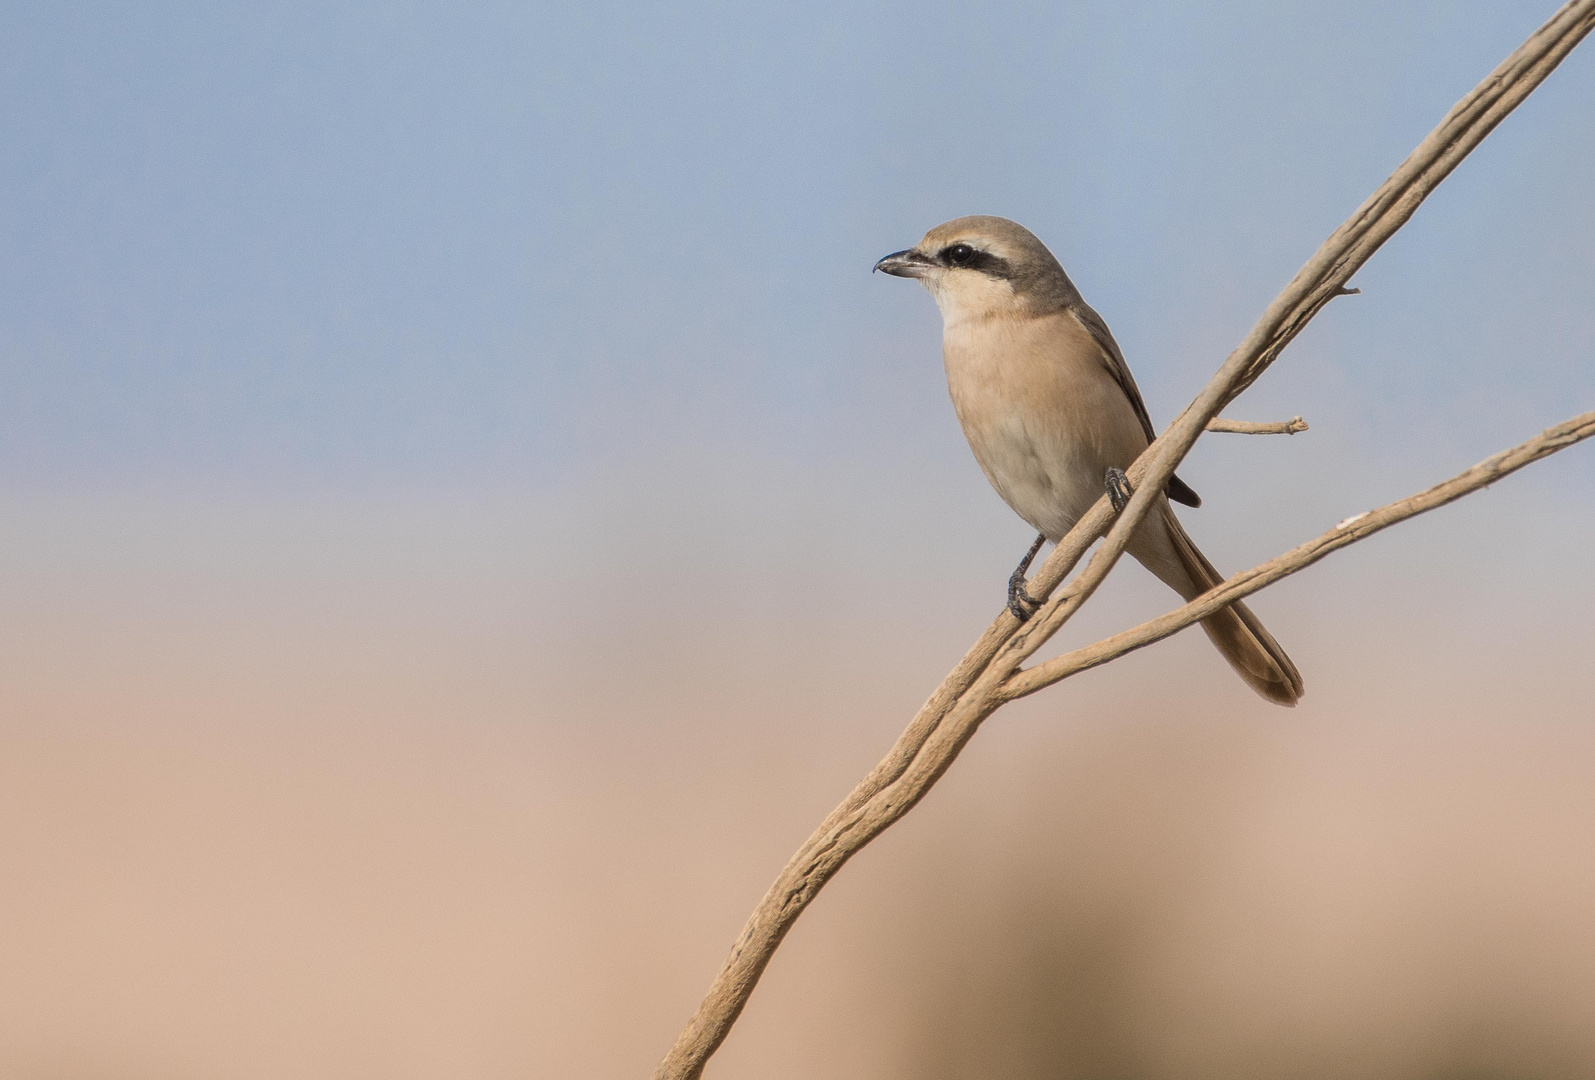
1238 634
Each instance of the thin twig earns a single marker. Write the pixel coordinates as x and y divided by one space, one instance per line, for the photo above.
1254 427
1242 585
975 688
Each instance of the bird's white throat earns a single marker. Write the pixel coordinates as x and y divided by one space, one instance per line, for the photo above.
968 297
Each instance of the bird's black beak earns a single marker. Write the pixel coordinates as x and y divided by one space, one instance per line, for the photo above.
908 263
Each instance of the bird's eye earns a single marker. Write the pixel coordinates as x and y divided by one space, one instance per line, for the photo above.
958 255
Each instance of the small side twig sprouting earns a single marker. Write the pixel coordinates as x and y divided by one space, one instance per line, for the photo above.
1252 427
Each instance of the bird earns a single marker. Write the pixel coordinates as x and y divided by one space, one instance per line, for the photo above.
1053 416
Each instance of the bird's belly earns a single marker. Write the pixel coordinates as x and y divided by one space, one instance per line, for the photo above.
1044 430
1049 482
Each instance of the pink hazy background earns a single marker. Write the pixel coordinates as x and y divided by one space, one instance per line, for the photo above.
434 806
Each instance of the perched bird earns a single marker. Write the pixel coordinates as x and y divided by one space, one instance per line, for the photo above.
1052 413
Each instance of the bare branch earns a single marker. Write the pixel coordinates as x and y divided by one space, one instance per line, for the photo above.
1359 527
976 687
1253 427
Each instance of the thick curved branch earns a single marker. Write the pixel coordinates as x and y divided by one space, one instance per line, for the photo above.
1487 472
975 688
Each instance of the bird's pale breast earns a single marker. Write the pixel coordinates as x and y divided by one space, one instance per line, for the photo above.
1041 412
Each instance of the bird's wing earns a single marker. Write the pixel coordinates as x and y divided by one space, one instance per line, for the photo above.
1113 361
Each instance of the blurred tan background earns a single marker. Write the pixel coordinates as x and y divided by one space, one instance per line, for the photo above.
365 810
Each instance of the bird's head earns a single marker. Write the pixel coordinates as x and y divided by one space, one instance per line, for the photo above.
984 267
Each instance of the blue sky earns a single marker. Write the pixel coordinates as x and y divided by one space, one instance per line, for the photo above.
293 247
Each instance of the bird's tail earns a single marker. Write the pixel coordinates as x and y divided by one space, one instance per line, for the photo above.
1235 631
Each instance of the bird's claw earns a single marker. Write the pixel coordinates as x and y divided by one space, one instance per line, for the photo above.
1119 490
1018 598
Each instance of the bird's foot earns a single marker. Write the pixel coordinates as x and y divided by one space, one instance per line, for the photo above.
1020 602
1119 490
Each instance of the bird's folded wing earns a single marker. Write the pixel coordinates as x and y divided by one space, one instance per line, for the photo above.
1113 361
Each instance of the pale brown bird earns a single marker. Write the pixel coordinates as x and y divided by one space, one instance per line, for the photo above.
1052 413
